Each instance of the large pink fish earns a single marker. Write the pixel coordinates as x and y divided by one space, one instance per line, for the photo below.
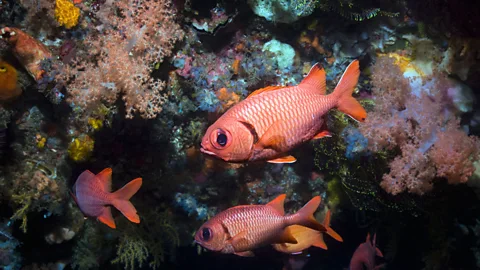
93 196
274 120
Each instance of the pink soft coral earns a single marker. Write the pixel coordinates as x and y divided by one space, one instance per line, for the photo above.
120 56
423 128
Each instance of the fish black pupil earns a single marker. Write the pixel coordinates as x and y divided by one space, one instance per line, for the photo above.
206 234
222 139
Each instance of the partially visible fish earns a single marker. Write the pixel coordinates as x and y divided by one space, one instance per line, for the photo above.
307 237
274 120
364 256
93 196
241 229
9 86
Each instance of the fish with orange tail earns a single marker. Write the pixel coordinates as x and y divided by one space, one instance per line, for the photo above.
274 120
307 237
241 229
364 256
94 197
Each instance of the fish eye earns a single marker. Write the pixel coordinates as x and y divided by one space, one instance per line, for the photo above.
207 234
3 69
220 138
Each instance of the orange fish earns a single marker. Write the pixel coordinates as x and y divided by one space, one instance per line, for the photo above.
273 120
307 237
93 196
364 256
9 87
243 228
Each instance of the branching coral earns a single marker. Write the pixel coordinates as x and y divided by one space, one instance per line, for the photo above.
151 241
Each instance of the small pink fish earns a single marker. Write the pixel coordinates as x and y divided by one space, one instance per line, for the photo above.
93 196
243 228
364 256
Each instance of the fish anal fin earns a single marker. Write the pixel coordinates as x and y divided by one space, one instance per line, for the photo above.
284 159
107 218
319 242
245 254
316 79
323 131
322 134
265 89
278 203
105 177
378 252
287 237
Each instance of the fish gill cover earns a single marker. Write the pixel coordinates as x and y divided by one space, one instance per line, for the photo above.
141 86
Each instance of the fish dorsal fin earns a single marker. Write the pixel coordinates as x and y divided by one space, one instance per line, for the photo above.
105 177
277 204
287 237
315 79
265 89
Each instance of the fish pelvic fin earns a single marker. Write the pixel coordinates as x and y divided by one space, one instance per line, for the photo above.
343 93
107 218
330 231
304 216
283 159
316 79
121 199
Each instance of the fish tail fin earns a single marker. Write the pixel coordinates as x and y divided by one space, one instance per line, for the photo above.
343 93
121 199
330 231
305 216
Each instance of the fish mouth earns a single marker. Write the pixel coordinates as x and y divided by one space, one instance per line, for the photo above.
203 150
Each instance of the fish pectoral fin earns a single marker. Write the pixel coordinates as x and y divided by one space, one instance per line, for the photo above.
245 254
239 239
270 139
284 159
265 89
287 237
106 217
